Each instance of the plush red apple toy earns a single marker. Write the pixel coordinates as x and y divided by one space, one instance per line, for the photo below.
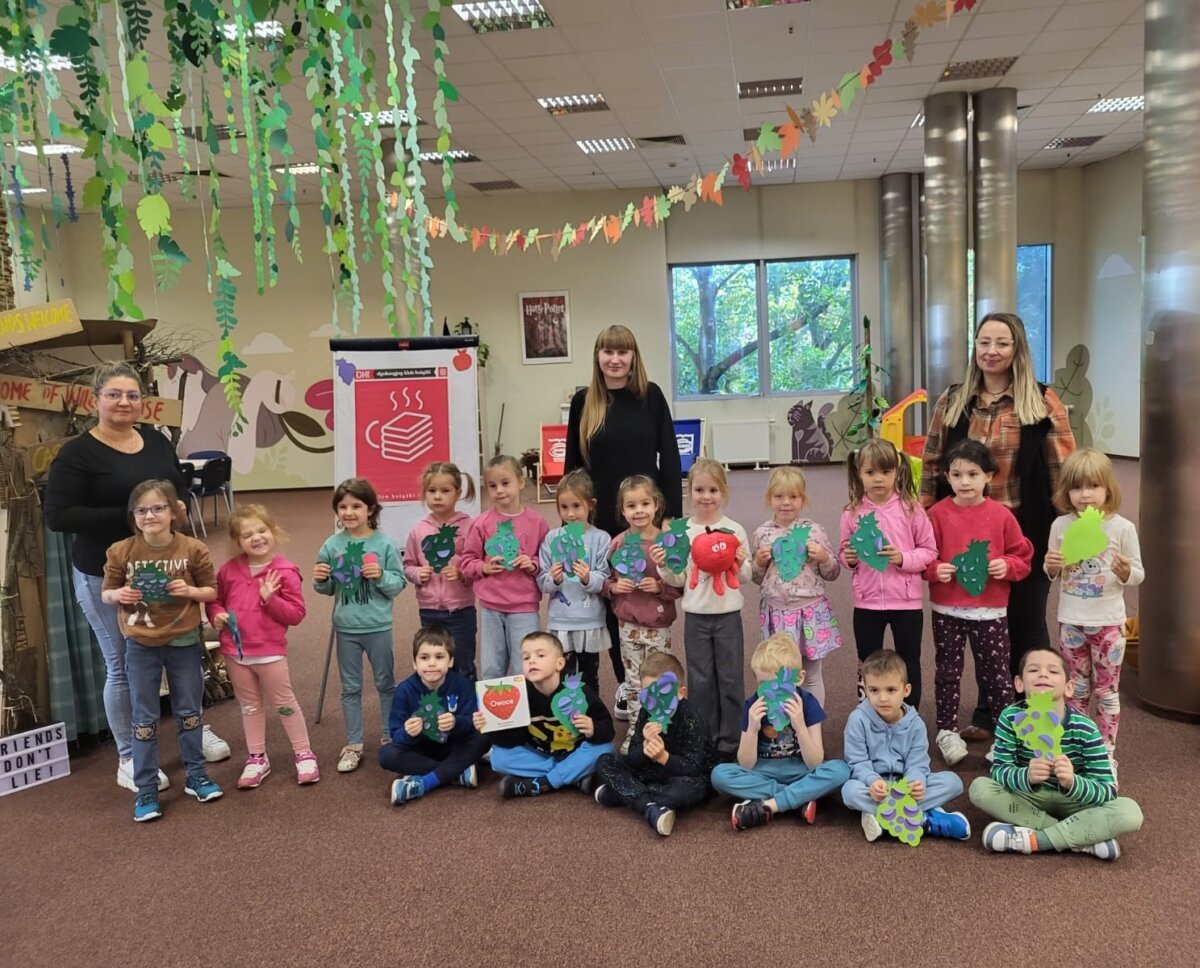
715 553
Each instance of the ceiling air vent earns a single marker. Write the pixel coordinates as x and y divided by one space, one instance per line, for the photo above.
1081 142
507 185
751 134
224 133
661 139
974 70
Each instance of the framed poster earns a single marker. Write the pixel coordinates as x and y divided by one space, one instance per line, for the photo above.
545 327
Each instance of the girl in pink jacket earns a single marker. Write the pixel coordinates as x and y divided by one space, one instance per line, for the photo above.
258 597
886 541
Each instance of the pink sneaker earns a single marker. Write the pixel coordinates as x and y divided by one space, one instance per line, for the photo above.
257 769
306 768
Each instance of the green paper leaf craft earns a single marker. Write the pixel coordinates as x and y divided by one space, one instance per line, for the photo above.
346 573
660 699
867 540
429 708
504 544
151 581
790 551
971 567
570 701
676 543
1039 726
439 548
629 561
154 215
1084 537
775 692
235 632
567 547
900 814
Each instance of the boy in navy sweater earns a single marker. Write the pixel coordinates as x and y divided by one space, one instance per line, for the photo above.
426 762
663 771
546 755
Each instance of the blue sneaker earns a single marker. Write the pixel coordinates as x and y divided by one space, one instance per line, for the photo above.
468 778
951 825
407 788
202 788
145 807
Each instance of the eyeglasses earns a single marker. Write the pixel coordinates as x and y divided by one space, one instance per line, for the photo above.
1000 344
133 396
154 509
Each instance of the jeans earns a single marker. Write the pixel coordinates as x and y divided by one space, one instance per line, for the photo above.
560 771
447 761
185 679
105 621
461 624
787 779
940 789
350 649
500 641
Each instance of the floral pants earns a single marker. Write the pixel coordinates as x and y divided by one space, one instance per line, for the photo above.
1094 654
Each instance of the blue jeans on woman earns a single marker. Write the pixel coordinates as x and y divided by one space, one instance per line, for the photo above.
105 621
462 624
185 679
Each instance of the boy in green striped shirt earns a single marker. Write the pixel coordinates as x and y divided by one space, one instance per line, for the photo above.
1066 803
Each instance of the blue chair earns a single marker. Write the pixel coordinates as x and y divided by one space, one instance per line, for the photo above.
212 480
689 437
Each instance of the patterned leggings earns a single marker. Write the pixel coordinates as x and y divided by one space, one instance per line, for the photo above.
637 644
1094 654
989 645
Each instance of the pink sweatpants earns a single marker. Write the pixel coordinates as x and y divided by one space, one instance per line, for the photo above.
1094 654
250 684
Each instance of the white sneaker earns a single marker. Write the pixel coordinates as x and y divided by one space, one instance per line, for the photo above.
952 746
125 776
215 748
990 755
871 828
621 703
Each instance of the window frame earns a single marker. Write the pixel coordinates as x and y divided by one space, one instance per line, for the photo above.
766 386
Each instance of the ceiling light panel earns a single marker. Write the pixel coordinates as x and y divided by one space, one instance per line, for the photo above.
1080 142
1111 104
573 104
503 15
387 118
456 154
780 86
751 4
301 168
29 148
600 146
976 69
32 190
33 62
263 31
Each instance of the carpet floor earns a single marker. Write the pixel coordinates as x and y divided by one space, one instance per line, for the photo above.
334 875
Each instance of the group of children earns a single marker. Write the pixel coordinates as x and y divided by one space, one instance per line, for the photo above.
968 548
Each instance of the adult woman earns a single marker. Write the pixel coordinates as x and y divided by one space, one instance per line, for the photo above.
1024 423
87 494
621 425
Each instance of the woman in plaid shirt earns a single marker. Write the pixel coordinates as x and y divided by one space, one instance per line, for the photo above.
1024 424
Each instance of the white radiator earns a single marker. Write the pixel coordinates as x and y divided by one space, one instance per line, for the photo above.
742 441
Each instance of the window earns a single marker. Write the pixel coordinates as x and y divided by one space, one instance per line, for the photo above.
756 328
1034 301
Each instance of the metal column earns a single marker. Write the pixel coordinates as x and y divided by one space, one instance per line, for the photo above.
1169 657
894 351
945 223
994 135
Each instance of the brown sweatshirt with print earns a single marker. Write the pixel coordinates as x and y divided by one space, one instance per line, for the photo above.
159 617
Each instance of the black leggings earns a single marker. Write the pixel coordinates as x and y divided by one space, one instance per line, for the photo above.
586 664
908 625
1027 630
614 638
638 789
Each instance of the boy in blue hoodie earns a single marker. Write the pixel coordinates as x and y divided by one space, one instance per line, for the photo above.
426 760
886 740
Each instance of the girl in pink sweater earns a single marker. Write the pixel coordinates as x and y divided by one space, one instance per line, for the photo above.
886 542
981 550
258 597
433 559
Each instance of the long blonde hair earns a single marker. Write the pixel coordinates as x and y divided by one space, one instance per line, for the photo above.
1028 400
595 404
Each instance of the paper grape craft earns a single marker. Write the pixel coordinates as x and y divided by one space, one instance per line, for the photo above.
790 551
152 582
429 708
629 561
867 540
345 571
971 567
503 544
1039 727
569 701
676 543
900 815
715 554
439 548
567 547
660 699
1084 537
775 692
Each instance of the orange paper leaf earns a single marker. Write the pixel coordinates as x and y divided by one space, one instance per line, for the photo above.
793 116
709 191
612 229
927 14
789 136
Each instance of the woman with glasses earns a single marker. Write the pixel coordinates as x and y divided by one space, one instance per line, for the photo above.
1001 404
87 494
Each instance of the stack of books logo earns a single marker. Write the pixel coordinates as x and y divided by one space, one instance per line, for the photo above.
406 437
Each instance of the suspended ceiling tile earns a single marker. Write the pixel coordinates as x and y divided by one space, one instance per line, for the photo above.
1082 16
984 23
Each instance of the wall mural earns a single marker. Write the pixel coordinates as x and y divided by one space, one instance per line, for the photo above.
1073 386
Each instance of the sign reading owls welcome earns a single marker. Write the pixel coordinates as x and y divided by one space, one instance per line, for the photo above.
398 406
32 758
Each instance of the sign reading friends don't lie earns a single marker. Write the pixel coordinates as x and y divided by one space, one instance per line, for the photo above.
31 758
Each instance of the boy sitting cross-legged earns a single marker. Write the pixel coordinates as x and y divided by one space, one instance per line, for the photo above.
423 762
663 771
1066 803
779 770
546 755
886 740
